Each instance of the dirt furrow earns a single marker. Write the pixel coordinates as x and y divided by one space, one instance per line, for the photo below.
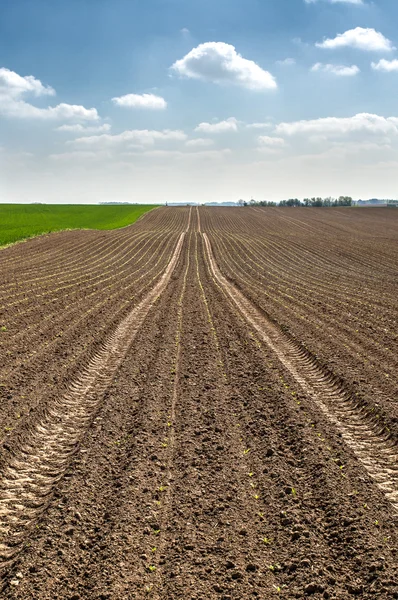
56 361
212 546
37 465
371 441
95 539
363 355
202 452
320 509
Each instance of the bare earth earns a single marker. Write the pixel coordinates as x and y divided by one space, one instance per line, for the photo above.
202 406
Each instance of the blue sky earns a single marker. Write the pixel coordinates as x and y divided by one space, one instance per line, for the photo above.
187 100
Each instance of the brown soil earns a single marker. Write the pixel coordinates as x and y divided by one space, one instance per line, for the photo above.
210 445
329 279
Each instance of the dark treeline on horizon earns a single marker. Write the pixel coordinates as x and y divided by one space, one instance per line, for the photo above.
341 201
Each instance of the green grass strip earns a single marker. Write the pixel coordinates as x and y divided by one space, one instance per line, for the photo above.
21 221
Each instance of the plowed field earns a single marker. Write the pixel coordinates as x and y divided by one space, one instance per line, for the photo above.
202 406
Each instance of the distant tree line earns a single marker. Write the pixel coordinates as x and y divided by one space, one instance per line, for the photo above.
341 201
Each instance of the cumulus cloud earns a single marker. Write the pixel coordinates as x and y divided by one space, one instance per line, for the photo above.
388 66
199 143
77 128
14 87
142 137
149 101
264 125
337 126
220 63
266 140
230 124
340 70
363 39
61 112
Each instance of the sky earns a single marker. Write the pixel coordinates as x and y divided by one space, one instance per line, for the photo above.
197 100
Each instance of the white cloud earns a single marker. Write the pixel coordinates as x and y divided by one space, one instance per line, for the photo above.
62 112
14 87
199 143
266 140
388 66
259 125
77 128
230 124
360 38
149 101
287 62
337 126
358 2
341 70
185 31
142 137
220 63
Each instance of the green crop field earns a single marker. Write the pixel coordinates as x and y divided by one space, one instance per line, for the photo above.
21 221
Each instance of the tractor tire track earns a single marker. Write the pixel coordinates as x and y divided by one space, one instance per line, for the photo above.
361 430
37 465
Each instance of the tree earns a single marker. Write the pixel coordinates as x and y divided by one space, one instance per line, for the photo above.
329 201
345 201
